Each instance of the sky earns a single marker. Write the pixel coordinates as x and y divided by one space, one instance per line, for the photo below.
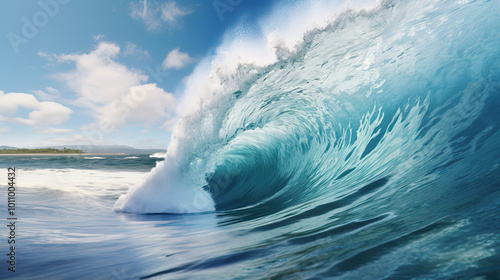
76 72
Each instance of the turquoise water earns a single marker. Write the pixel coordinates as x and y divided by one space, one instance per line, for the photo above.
373 152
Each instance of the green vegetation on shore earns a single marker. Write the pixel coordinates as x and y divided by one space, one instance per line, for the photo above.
41 151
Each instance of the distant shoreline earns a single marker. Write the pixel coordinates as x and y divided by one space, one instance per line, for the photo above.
61 154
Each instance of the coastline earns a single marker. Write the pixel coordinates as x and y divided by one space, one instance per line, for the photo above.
55 154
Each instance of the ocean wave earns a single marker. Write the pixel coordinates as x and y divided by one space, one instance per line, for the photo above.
158 155
401 92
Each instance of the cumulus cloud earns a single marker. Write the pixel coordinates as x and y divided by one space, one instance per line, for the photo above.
97 78
157 15
115 93
176 59
43 113
145 104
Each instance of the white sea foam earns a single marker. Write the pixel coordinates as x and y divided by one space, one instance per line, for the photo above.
158 155
165 191
94 157
78 181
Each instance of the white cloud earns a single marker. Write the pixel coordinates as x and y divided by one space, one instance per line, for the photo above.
133 49
171 13
46 55
52 130
156 15
176 59
97 78
115 93
43 113
141 11
53 91
146 104
10 102
49 93
98 37
4 129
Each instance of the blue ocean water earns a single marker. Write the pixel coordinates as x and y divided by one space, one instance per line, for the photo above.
372 152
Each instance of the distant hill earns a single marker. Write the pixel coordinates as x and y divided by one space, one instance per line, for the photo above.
7 148
112 149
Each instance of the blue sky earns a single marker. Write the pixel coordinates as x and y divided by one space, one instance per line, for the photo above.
105 72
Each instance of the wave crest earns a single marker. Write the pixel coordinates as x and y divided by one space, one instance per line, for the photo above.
371 95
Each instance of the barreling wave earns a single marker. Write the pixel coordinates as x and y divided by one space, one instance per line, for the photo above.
382 98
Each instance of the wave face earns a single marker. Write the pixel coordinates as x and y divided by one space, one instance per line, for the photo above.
405 91
369 148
